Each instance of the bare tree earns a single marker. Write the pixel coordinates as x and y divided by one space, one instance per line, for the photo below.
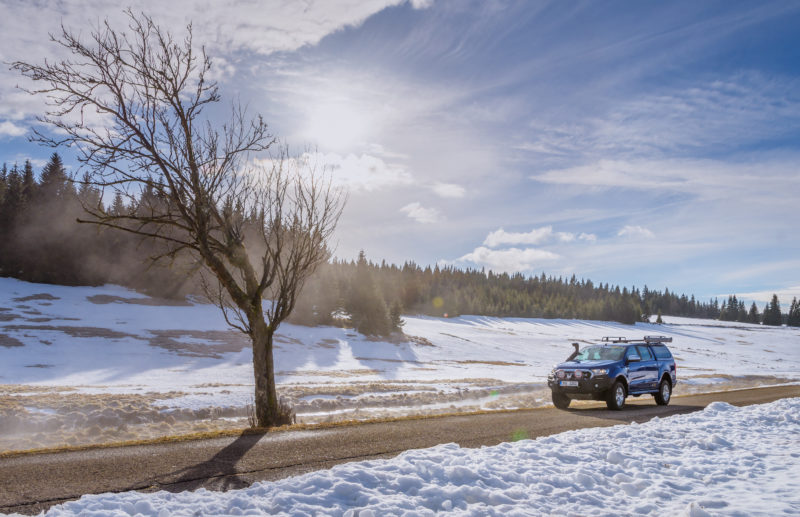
131 103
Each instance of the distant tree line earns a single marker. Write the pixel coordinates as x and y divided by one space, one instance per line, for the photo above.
449 291
41 241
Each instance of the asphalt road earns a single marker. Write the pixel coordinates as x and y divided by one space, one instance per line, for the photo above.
32 483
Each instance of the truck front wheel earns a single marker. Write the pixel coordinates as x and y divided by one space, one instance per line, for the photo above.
560 400
616 396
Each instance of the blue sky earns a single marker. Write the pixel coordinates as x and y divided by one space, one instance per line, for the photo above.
627 142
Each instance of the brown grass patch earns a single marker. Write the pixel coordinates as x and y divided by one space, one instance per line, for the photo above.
103 299
493 363
334 373
10 342
215 342
80 332
40 296
419 340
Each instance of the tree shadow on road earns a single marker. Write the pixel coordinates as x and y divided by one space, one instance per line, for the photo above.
634 412
217 473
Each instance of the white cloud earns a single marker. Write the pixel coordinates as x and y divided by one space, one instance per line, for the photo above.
509 260
361 172
541 235
448 190
8 128
635 232
421 214
501 237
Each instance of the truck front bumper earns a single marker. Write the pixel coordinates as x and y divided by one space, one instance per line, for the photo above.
591 389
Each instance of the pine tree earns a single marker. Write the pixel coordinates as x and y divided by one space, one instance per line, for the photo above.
12 200
753 316
772 313
3 183
794 314
54 182
395 314
28 182
89 195
118 205
658 319
368 312
742 313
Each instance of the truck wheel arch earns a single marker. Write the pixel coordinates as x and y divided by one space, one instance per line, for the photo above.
624 382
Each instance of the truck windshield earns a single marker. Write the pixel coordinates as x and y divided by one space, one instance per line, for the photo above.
596 353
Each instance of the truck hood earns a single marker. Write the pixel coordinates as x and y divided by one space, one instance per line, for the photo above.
599 363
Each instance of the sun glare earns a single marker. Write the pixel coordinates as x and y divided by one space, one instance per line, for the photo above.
337 126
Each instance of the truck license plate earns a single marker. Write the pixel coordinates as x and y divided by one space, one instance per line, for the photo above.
569 383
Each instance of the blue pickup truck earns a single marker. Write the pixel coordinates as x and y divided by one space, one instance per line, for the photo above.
614 369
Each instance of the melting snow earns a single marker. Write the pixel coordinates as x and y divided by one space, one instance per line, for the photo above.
79 350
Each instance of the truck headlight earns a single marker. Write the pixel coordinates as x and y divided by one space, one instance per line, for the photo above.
599 371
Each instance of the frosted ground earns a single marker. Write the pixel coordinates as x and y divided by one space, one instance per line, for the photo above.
85 365
682 465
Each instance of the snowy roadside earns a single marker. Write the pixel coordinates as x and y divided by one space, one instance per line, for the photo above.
85 365
721 461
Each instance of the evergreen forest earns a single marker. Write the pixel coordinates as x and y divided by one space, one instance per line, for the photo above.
41 240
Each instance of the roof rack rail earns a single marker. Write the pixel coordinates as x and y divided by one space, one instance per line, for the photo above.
657 339
615 339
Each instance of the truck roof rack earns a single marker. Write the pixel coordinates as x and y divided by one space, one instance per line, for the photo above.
646 339
657 339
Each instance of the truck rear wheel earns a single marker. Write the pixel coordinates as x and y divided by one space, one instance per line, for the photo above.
560 400
664 392
616 396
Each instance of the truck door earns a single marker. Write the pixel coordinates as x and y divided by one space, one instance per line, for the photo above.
636 372
649 368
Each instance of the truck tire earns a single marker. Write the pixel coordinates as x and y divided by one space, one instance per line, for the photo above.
560 400
616 396
664 392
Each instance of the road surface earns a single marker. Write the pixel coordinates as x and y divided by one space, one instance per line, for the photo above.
34 482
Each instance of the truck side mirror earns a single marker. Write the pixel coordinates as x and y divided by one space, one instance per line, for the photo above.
633 358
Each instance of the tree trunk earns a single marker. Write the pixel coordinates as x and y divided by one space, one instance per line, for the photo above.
266 398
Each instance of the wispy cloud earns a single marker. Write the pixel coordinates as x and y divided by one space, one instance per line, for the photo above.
224 28
751 176
421 214
785 296
720 114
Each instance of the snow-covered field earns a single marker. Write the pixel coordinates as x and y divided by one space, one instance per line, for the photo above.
96 364
721 461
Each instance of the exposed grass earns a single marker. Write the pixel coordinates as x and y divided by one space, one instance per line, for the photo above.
308 427
254 431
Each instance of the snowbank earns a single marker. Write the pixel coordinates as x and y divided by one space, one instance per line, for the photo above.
721 461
